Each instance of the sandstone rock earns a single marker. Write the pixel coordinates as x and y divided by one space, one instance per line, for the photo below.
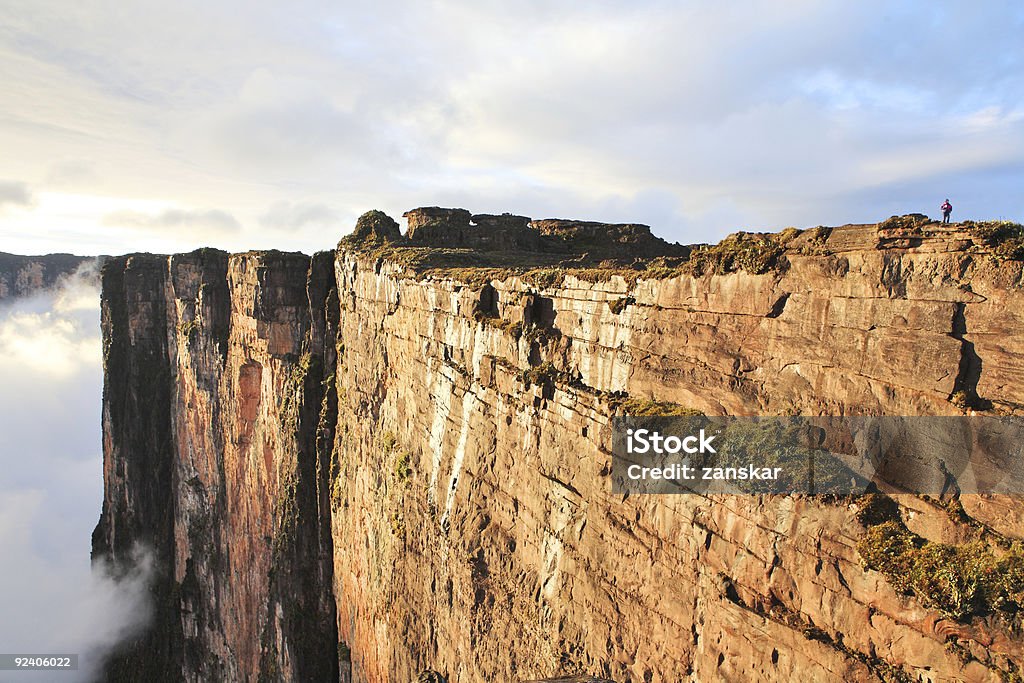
508 233
439 227
631 239
376 225
345 454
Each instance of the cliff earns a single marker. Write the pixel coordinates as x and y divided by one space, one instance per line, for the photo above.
392 460
23 275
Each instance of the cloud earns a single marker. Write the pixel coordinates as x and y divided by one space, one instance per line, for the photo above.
51 484
751 116
300 215
189 219
14 194
71 173
277 119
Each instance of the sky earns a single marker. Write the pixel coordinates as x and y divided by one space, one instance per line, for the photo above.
167 126
51 486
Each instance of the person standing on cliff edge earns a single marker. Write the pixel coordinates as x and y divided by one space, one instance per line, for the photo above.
947 209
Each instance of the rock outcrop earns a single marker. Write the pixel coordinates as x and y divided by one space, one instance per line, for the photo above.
369 465
437 227
508 235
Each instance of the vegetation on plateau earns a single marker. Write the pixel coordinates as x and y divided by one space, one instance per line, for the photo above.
1005 238
753 253
911 222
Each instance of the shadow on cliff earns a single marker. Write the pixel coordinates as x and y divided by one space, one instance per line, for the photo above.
51 485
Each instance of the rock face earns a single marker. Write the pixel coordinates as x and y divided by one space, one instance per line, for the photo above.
218 429
437 227
458 228
376 226
352 469
22 275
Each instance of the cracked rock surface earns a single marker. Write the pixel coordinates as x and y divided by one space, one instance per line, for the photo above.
351 469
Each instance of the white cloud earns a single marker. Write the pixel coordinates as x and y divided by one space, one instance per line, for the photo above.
787 114
54 603
301 215
187 219
51 484
14 193
70 172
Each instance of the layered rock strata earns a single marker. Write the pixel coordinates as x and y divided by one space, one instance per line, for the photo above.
218 427
361 466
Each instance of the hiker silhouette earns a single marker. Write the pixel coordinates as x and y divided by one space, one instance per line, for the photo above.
947 209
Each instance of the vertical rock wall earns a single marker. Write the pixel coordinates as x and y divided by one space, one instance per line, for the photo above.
215 420
139 456
472 493
347 468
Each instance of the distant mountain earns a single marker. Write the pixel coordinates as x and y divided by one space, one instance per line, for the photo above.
23 275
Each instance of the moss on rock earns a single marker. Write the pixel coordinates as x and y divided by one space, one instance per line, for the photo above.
753 253
376 225
958 580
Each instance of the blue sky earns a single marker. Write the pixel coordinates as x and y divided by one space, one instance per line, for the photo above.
166 126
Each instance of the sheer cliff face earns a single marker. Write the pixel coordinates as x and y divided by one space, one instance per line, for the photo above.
350 468
216 458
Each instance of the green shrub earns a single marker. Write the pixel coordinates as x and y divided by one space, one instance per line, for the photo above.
752 253
186 328
786 236
959 399
1008 576
545 278
397 523
337 490
888 548
642 407
619 305
513 329
876 508
292 393
403 466
910 222
541 375
1005 238
959 581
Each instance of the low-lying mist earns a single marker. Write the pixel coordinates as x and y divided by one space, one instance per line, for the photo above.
51 485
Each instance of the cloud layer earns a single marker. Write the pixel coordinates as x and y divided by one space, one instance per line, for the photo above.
14 193
263 124
51 485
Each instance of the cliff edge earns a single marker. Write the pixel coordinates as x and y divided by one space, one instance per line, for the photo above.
391 461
